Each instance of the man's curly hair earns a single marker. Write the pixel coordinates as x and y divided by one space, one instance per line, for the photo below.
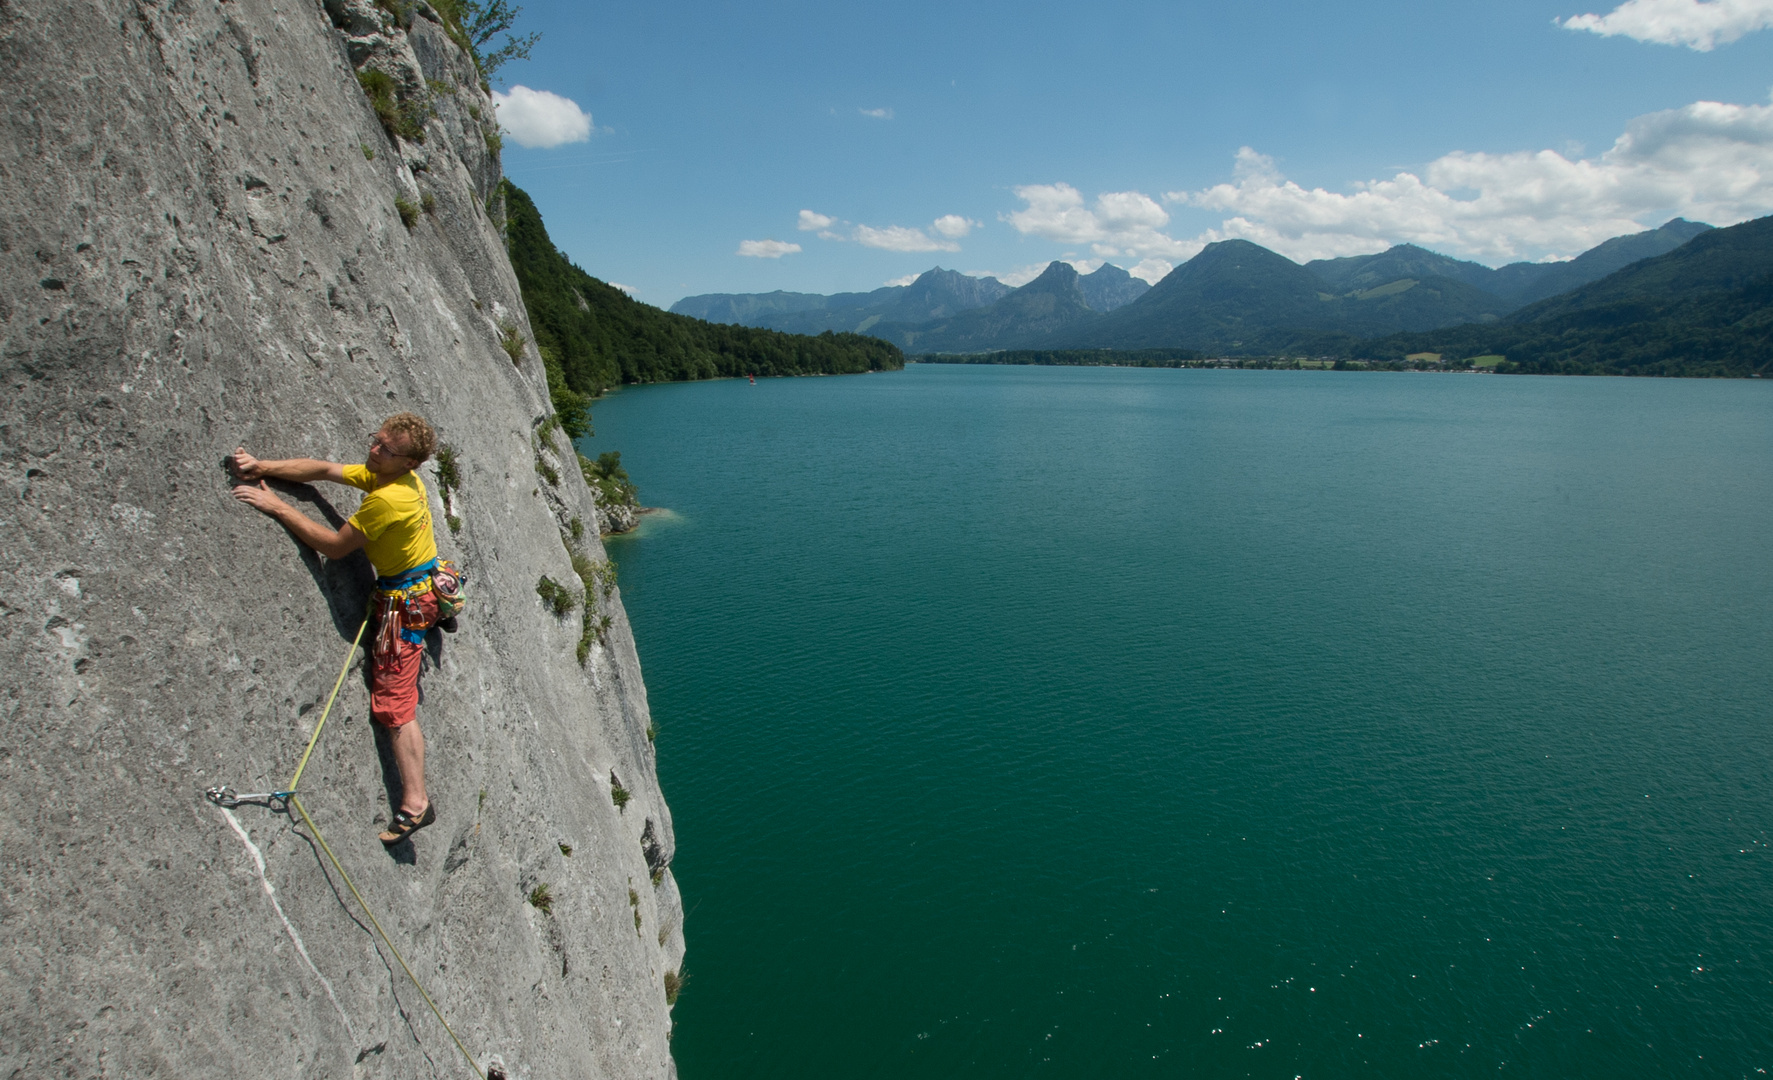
418 436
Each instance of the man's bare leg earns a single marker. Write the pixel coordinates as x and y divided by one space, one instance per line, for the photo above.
408 744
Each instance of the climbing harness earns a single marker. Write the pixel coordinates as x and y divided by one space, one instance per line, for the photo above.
226 797
395 603
396 610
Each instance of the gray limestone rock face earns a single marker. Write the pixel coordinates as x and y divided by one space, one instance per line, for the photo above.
617 517
199 249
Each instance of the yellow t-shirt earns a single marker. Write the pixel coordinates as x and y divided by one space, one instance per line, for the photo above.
396 517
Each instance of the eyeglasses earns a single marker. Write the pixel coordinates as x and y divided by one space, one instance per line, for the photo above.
378 442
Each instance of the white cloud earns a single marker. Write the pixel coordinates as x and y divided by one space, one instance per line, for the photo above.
1697 24
1121 223
900 238
1707 161
878 114
539 120
1151 270
947 229
766 249
953 226
906 280
1016 278
629 289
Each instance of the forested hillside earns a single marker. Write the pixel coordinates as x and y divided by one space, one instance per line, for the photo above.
1705 308
593 335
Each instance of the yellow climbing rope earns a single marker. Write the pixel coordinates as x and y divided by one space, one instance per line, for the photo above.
295 801
345 667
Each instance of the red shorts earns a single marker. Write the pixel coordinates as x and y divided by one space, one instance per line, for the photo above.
394 679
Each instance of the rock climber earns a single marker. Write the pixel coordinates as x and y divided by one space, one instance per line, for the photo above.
393 527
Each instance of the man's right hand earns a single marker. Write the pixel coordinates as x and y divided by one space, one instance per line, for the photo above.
246 467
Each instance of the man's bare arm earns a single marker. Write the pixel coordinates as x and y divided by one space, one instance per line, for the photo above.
333 545
299 470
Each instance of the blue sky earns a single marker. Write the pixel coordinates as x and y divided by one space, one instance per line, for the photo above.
993 137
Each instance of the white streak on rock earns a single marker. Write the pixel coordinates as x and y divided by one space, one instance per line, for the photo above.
258 859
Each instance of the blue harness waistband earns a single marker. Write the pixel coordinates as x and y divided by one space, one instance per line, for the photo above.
406 577
401 581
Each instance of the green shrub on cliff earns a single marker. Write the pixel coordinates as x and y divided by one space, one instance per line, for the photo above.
608 477
593 336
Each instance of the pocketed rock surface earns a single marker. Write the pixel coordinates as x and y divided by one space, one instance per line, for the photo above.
200 248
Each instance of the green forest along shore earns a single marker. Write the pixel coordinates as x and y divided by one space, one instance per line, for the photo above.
593 336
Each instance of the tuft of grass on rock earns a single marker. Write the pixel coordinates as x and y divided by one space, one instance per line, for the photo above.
428 203
401 116
556 596
401 11
449 483
674 986
408 211
369 152
599 579
541 899
449 467
566 849
511 340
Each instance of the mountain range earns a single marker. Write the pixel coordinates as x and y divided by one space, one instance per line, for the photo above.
1234 297
937 294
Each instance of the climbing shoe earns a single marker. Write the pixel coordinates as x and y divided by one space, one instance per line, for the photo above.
406 824
448 625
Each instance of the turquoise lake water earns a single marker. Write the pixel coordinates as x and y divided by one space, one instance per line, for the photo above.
1101 723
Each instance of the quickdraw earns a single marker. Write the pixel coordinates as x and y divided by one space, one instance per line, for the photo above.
227 798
